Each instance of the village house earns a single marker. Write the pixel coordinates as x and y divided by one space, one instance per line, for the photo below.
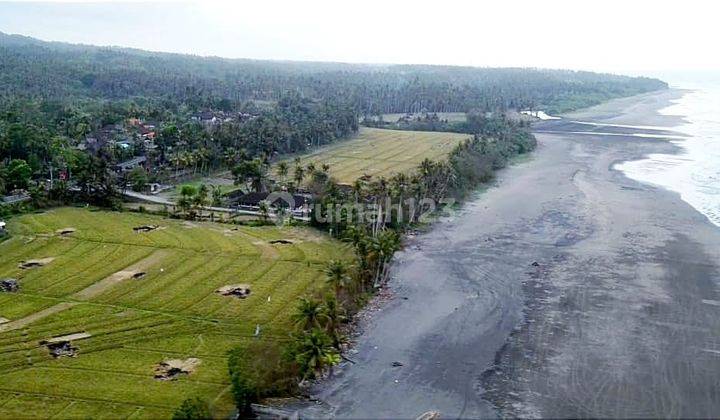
129 165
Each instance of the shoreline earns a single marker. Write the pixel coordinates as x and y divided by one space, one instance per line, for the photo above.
493 316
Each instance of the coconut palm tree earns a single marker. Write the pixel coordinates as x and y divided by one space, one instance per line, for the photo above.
308 314
310 168
282 170
314 352
333 316
299 175
336 275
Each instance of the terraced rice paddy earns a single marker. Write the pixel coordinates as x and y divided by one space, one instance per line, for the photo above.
170 310
380 152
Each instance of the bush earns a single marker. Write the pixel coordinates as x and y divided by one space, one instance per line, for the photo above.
258 371
243 390
192 409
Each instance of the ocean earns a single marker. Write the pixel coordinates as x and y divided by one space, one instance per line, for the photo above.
694 173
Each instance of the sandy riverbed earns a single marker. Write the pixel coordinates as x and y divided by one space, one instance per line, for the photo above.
620 317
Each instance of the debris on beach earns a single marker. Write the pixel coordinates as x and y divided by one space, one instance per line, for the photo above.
65 231
240 291
9 285
282 241
35 263
62 346
145 228
429 415
171 370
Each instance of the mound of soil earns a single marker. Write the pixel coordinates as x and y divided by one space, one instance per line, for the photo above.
145 228
4 320
9 285
171 370
35 263
282 241
241 291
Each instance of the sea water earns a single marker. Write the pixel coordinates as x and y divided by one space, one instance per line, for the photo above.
694 172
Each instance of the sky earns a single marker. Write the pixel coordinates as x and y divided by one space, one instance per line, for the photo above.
628 36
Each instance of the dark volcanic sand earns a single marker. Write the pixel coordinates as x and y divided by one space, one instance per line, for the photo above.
621 317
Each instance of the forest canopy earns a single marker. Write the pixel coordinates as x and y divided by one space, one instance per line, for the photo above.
31 68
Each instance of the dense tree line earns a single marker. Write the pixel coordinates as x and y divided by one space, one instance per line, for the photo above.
32 68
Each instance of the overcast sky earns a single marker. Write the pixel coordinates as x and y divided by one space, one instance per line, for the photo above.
628 36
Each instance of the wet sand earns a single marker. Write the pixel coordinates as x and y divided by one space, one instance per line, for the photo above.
566 290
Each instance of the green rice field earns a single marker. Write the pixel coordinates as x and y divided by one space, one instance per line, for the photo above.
380 152
170 311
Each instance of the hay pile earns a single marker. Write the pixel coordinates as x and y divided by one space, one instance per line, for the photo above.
171 370
241 291
35 263
145 228
282 242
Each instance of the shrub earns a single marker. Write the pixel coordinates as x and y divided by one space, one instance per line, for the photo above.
192 409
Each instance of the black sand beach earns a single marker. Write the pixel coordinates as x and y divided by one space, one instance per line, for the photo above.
566 290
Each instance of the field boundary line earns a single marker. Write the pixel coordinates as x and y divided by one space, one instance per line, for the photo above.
29 319
119 373
116 278
85 399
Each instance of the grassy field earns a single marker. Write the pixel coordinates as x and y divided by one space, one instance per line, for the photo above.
223 180
172 312
379 152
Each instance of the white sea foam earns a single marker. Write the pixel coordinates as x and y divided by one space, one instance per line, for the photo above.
695 172
600 133
640 127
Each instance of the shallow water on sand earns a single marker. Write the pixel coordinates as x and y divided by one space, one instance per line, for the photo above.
695 172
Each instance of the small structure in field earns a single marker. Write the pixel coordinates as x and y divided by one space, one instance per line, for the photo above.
65 231
145 228
62 346
35 263
241 291
171 370
9 285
